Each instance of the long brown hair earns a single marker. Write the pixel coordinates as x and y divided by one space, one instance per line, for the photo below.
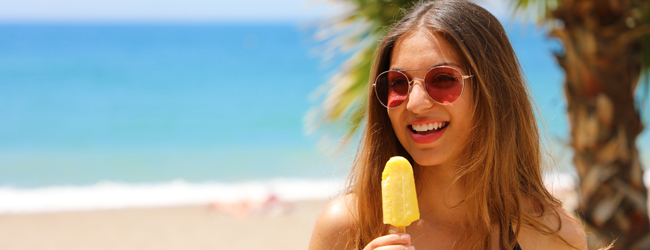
503 158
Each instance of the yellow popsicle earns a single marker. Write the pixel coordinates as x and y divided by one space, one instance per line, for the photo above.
400 202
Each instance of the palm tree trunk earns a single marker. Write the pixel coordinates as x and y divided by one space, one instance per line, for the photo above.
602 67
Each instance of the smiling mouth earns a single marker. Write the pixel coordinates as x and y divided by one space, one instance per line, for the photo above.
428 128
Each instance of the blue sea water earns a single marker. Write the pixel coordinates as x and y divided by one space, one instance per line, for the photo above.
82 104
146 103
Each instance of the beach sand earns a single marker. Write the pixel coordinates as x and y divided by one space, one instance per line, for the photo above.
253 225
188 227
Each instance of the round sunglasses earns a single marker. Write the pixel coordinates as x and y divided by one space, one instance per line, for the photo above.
444 85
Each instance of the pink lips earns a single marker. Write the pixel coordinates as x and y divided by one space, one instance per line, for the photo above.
426 138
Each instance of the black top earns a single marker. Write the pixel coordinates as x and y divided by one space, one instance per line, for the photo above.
512 235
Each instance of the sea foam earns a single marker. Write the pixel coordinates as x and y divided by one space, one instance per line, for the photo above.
111 195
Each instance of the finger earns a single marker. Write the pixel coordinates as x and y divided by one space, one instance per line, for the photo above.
391 239
405 237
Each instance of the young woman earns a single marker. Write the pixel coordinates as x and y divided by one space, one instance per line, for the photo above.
448 94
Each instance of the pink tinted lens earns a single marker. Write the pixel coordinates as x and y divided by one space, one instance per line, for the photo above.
444 85
392 88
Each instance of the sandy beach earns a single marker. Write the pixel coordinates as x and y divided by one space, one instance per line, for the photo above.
167 228
268 223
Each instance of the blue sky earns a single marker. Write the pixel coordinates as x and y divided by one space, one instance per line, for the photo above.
176 10
163 10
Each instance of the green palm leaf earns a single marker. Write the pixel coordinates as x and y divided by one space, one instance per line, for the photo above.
345 94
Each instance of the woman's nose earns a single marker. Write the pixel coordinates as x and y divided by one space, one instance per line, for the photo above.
418 100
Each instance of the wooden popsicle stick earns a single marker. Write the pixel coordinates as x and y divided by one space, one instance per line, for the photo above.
401 229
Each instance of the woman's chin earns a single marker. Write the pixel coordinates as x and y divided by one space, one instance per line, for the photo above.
426 160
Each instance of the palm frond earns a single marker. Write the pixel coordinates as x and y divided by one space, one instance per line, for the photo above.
541 11
345 94
537 10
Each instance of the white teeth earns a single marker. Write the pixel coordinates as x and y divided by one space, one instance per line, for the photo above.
428 126
419 127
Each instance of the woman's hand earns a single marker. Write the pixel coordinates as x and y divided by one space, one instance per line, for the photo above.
391 242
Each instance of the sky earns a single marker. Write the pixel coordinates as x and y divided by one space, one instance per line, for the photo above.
163 10
178 10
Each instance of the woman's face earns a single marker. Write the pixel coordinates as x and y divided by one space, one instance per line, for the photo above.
418 50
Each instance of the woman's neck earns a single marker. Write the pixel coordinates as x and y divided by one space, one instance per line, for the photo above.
440 196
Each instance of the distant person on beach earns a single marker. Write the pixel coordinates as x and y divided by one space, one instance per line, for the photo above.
448 94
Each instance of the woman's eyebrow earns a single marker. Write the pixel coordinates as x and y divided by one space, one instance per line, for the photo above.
439 64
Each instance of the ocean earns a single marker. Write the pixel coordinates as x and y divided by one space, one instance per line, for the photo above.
101 116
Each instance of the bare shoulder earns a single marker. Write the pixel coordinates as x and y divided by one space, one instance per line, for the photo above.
333 224
570 230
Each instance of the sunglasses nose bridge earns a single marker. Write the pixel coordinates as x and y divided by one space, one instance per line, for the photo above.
421 79
412 82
